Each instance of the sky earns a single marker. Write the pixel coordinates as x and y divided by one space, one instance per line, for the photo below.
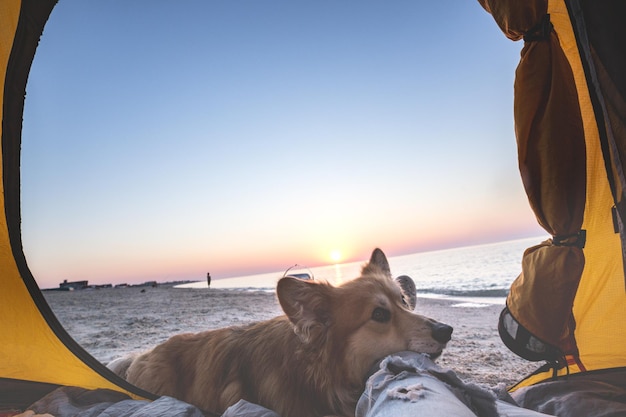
163 139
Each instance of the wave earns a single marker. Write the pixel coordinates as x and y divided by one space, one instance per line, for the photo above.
500 292
451 292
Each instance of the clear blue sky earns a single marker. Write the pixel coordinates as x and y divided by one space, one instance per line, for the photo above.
165 139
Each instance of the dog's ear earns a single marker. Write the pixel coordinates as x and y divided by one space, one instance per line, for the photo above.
307 304
378 263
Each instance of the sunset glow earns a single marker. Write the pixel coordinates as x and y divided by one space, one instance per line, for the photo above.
264 142
335 256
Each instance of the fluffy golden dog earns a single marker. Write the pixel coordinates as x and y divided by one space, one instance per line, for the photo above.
311 362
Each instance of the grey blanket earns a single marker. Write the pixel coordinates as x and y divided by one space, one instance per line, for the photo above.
80 402
592 394
405 384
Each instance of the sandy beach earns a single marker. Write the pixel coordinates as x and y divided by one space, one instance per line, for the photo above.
109 323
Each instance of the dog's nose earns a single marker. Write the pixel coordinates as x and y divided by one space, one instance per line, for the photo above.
442 332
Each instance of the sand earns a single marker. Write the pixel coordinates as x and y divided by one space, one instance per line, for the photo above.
110 323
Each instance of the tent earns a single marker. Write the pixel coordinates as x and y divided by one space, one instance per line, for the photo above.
36 354
568 306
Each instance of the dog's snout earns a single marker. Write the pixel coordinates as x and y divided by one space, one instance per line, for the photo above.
442 333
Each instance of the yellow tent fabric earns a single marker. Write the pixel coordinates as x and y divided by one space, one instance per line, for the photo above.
34 348
568 306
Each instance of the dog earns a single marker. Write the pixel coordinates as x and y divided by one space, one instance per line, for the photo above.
311 362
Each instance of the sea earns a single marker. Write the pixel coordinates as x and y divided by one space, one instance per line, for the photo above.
480 274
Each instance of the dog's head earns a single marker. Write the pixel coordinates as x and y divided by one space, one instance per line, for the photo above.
363 320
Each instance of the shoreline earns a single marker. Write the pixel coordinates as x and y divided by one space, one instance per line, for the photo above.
110 323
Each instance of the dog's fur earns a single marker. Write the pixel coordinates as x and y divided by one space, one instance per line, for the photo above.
311 362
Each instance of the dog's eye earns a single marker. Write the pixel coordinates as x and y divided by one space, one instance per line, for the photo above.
381 315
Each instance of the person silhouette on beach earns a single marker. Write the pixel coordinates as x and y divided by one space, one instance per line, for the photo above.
208 278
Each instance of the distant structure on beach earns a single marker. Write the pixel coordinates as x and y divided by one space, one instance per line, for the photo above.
84 285
75 285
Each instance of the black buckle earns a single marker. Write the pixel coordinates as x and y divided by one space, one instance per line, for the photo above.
541 31
577 239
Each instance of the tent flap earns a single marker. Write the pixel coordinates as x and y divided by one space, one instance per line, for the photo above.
35 352
568 305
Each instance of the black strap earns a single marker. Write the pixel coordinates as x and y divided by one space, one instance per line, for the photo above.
576 240
541 31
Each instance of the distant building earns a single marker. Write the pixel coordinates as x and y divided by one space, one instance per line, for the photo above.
75 285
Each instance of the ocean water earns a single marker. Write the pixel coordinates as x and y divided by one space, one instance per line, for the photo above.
473 273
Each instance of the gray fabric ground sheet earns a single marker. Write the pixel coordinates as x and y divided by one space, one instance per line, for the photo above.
80 402
593 394
405 384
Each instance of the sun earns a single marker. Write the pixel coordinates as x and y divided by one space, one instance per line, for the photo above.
335 256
